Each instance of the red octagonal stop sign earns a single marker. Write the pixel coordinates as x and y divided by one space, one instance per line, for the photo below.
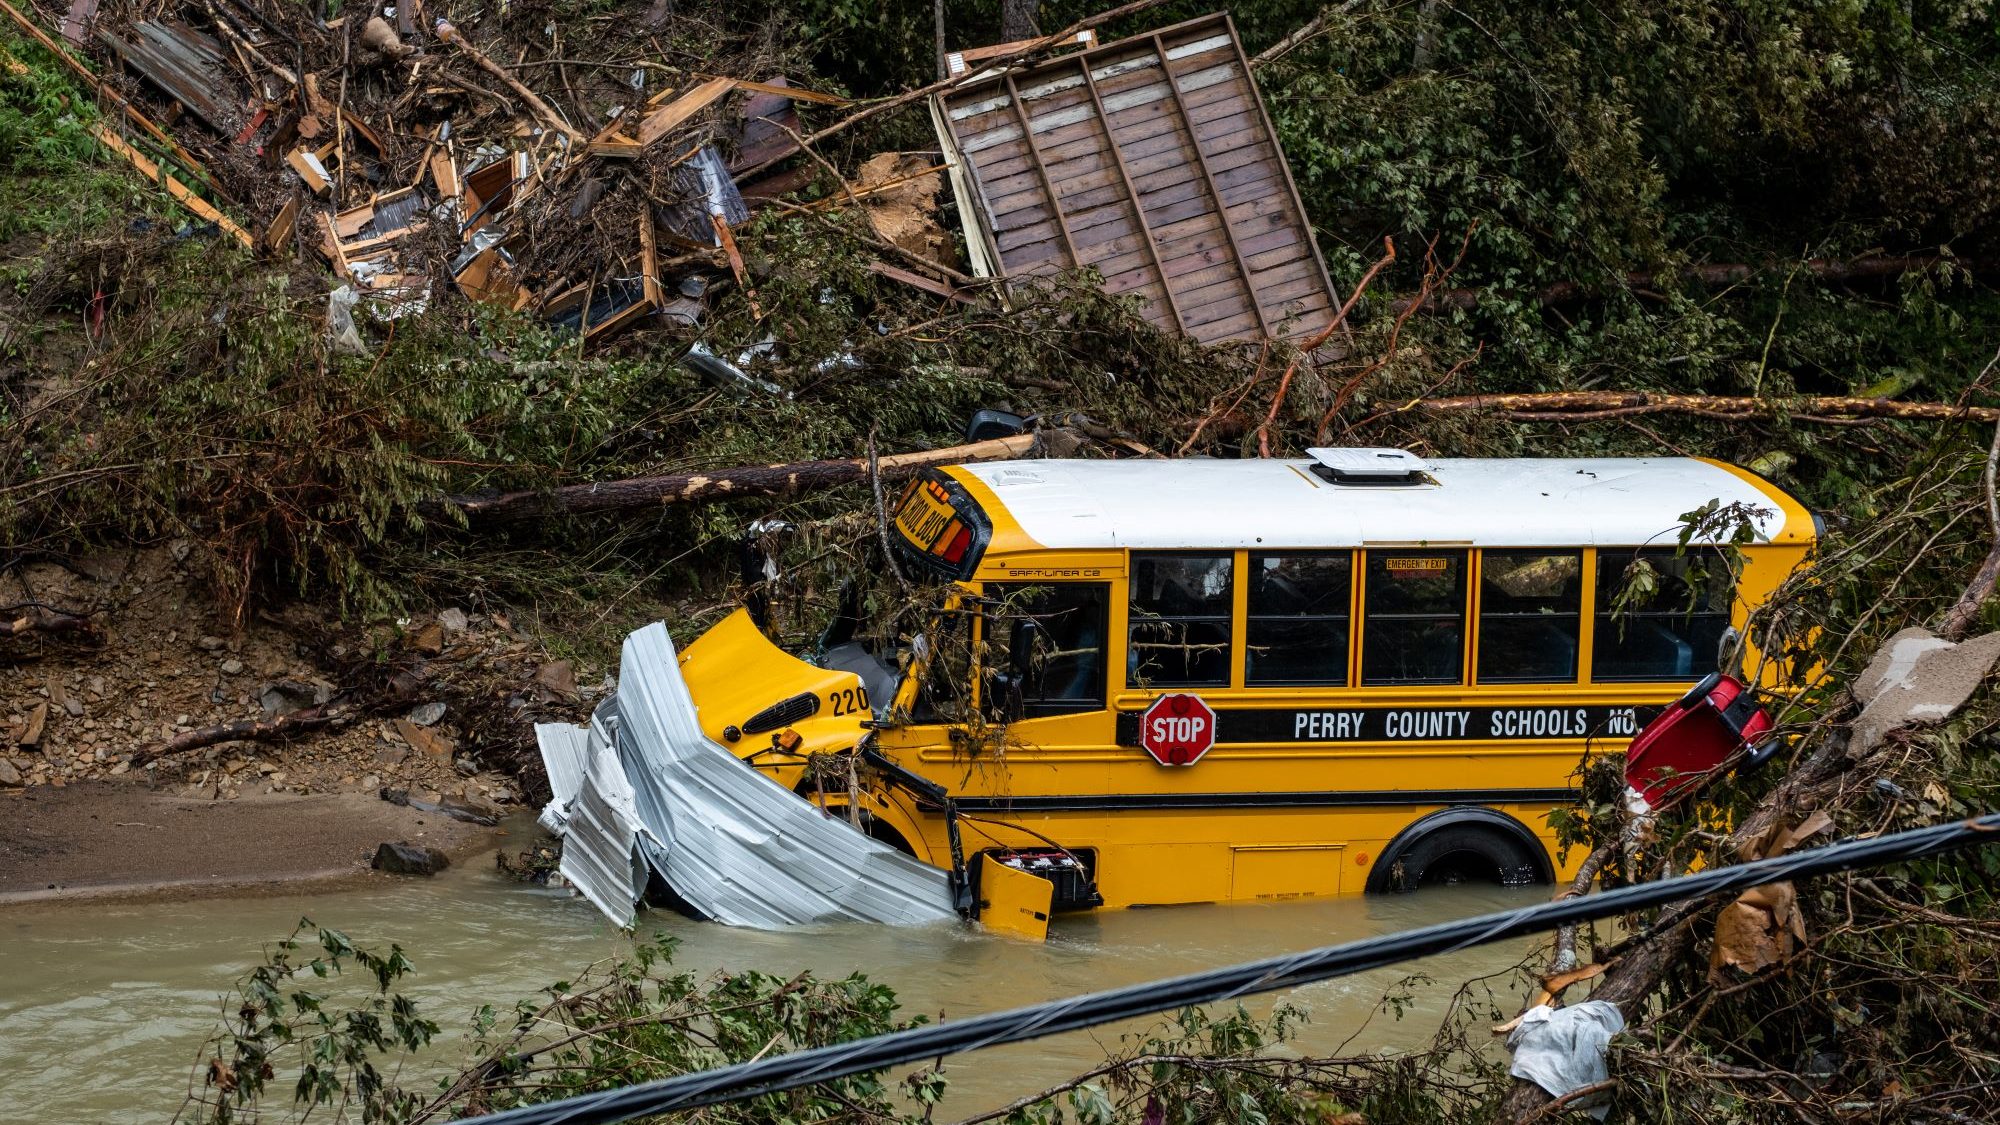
1177 730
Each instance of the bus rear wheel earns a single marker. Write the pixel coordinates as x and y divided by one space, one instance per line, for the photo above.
1461 846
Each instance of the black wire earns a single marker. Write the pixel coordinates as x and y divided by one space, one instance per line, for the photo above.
821 1064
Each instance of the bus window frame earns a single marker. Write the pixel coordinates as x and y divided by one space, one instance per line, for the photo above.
1240 676
1467 622
1233 653
984 663
1593 568
1583 613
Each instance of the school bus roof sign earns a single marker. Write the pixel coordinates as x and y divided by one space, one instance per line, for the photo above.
1177 729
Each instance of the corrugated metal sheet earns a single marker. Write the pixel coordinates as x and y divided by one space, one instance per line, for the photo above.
566 759
188 65
601 857
738 847
1152 160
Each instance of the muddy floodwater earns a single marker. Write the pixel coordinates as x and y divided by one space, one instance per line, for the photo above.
104 1007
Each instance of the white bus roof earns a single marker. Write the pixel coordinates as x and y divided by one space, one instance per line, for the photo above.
1282 503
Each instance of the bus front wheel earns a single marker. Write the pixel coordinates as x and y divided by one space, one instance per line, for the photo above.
1461 845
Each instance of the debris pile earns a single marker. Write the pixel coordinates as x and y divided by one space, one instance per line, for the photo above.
592 172
575 170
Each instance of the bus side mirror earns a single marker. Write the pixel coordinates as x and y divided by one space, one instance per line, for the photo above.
1006 687
1021 645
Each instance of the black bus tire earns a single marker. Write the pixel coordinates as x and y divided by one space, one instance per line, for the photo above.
1461 844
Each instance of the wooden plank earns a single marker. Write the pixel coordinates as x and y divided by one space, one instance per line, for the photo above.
1112 220
1034 153
1215 195
795 92
310 170
960 62
919 281
444 175
1297 208
1238 327
1271 260
77 24
279 234
665 119
1132 193
180 191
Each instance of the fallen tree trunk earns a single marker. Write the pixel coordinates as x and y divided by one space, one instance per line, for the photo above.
246 730
33 619
639 493
1712 276
1584 406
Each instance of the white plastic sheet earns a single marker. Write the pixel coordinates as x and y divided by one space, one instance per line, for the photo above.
1562 1049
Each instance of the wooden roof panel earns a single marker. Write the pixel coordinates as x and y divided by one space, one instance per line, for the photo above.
1152 160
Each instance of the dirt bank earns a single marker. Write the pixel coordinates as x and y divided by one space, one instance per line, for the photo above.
117 839
440 705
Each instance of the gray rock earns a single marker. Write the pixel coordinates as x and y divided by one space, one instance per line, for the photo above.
231 666
427 715
409 859
74 706
211 643
282 697
8 774
453 620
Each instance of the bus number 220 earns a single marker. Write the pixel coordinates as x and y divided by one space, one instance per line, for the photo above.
848 701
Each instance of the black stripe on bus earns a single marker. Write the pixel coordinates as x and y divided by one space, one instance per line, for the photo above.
1345 798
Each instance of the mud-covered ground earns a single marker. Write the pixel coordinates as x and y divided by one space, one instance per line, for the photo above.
97 839
157 662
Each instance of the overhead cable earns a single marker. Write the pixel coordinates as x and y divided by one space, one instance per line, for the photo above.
820 1064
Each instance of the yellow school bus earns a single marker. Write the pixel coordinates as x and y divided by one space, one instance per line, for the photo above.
1196 681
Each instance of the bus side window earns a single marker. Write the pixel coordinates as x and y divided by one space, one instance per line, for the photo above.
1297 627
1670 626
1530 603
1180 620
1045 649
1414 618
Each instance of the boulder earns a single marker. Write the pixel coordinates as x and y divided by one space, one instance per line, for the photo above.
404 858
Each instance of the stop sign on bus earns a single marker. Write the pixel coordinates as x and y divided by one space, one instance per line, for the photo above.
1177 729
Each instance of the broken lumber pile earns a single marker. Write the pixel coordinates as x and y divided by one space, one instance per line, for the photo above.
412 152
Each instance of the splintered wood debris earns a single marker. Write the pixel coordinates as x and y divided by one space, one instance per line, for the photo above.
412 154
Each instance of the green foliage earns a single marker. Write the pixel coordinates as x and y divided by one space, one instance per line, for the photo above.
55 179
631 1020
283 1021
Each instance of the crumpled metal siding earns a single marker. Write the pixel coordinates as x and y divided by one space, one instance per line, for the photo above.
611 874
566 759
738 847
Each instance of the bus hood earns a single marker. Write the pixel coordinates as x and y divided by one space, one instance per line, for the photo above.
747 689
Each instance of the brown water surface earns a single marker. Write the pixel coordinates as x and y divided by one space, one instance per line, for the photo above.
104 1007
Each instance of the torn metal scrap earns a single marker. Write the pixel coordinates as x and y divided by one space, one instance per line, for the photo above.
1152 161
733 844
188 65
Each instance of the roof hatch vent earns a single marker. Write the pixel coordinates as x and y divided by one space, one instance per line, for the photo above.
1369 466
